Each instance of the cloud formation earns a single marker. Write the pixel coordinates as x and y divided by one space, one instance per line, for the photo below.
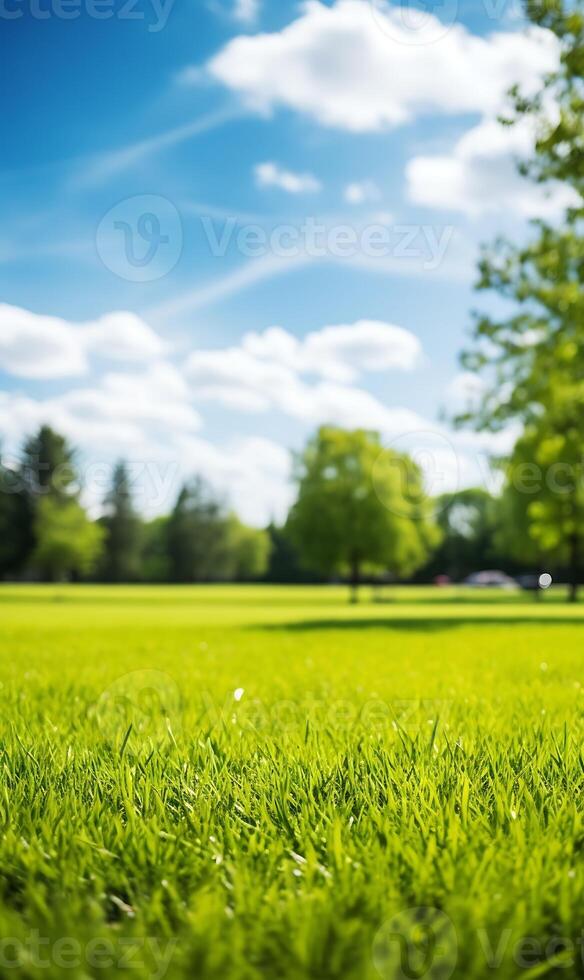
46 347
149 411
246 11
268 371
361 192
480 175
270 174
345 68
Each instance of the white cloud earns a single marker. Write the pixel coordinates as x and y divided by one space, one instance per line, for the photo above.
465 389
114 420
339 352
270 174
265 363
348 69
265 373
361 192
246 11
344 351
122 337
33 346
480 175
253 473
124 411
46 347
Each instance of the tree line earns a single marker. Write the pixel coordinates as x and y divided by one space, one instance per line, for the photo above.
360 514
46 533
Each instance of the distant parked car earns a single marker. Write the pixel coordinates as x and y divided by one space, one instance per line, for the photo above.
491 579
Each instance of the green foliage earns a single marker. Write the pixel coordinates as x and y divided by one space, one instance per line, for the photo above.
543 501
284 560
121 558
48 465
392 757
533 360
249 551
560 143
67 541
359 507
16 522
468 521
154 559
205 543
198 536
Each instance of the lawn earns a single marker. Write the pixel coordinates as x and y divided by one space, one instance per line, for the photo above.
240 782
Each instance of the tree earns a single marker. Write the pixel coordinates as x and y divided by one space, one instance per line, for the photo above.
155 561
16 522
533 360
284 563
197 535
248 550
468 521
359 507
67 542
542 506
48 466
121 557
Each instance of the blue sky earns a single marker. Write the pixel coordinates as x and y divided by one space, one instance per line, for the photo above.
227 222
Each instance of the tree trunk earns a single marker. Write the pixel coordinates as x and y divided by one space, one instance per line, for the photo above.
355 579
574 567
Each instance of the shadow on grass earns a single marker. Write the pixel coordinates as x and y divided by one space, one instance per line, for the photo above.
416 624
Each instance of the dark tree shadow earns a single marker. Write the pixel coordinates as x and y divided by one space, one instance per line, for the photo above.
414 624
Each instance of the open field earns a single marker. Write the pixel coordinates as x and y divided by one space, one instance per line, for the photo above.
265 782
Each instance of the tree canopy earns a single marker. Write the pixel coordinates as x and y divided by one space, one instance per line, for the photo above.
532 360
122 526
359 507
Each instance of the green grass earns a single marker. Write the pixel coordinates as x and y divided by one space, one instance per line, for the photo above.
423 751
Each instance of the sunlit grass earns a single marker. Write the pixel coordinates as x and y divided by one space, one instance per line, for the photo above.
250 782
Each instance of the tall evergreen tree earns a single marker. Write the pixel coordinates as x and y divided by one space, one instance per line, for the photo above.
198 535
48 466
122 525
16 523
